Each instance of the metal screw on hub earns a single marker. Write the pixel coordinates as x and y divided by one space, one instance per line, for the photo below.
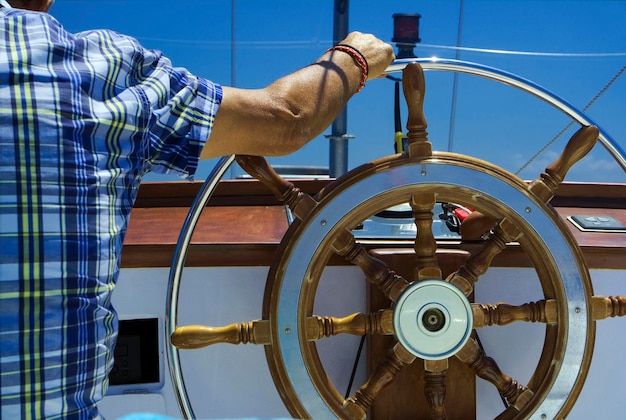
433 320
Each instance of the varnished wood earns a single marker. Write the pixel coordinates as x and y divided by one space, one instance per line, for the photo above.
425 243
152 235
397 357
407 396
487 368
245 192
300 204
503 314
604 307
380 322
577 147
258 332
201 255
478 263
590 195
545 186
435 378
228 192
376 271
198 336
414 88
253 224
161 226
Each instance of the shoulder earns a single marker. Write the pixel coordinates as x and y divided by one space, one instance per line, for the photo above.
103 47
36 23
108 39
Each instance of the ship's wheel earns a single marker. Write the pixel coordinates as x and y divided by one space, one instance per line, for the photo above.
431 318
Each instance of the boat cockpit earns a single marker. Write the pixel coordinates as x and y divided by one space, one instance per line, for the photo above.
423 284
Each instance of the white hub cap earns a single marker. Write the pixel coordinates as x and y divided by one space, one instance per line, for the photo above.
432 319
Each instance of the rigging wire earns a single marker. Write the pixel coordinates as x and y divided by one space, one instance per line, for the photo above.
568 126
315 43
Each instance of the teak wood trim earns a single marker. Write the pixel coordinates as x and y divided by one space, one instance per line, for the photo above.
405 397
252 223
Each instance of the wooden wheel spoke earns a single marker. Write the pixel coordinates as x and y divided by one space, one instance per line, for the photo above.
376 271
435 374
397 357
543 311
478 263
543 187
608 307
577 147
414 88
425 243
197 336
516 394
300 203
257 332
477 224
380 323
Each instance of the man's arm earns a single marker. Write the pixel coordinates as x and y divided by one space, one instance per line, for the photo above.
284 116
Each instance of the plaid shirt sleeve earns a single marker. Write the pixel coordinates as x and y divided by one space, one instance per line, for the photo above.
82 118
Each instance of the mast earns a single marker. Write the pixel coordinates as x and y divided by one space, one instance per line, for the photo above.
338 160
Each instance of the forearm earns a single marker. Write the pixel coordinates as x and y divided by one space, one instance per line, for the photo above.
284 116
315 95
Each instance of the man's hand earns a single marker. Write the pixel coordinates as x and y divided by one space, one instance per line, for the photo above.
379 54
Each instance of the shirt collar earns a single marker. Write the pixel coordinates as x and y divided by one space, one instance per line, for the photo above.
3 3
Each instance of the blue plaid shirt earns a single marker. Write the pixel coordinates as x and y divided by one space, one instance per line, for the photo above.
82 118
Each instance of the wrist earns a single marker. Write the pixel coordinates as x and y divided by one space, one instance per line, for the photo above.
358 59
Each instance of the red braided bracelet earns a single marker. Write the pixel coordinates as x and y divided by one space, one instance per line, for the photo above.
358 58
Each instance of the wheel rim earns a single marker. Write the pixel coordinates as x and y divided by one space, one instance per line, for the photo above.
296 367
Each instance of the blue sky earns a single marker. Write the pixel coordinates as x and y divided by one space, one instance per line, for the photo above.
573 48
